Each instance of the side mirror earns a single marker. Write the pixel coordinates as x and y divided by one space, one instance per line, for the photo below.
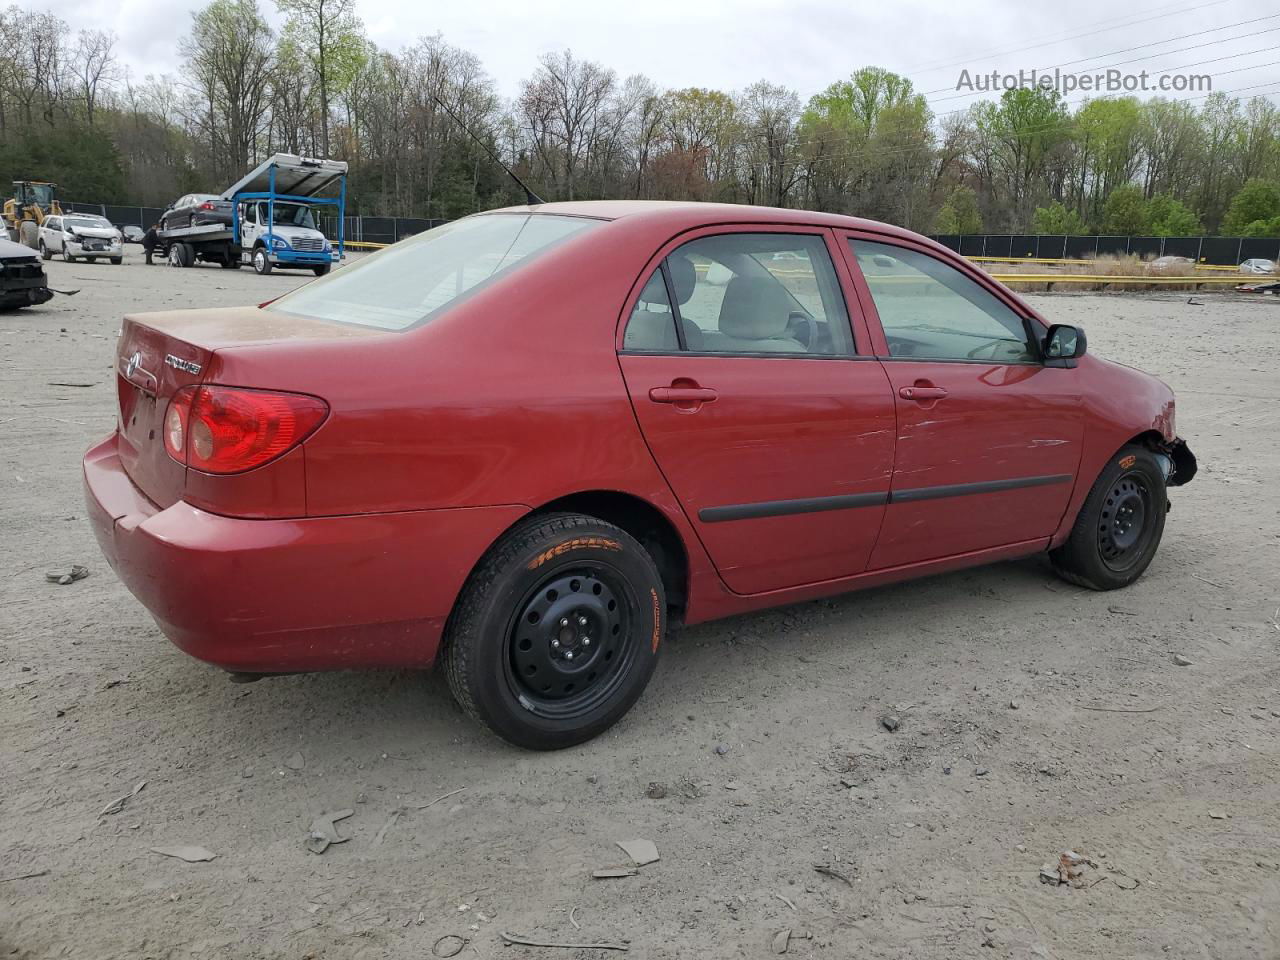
1064 342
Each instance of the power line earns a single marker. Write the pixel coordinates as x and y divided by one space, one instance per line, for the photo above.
1162 15
1144 46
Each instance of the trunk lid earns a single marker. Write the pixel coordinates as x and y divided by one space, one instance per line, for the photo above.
160 353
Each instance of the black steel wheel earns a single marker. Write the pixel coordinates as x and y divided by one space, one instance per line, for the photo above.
570 643
556 632
1120 524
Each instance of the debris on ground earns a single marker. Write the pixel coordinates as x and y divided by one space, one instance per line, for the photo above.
450 945
391 822
613 873
116 805
1070 869
189 854
295 761
722 749
641 852
656 791
526 942
1217 815
782 939
65 575
324 831
890 722
1180 660
829 871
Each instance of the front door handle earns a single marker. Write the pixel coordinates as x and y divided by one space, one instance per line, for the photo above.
682 395
922 392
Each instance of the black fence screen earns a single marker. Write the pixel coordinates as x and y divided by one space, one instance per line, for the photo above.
1216 251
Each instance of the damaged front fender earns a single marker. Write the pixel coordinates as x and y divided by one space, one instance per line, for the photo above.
1183 464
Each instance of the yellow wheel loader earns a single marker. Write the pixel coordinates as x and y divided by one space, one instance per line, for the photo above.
25 211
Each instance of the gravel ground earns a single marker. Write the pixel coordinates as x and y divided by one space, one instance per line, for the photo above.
1034 718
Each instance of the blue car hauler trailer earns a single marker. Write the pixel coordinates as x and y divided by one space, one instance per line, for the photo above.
271 223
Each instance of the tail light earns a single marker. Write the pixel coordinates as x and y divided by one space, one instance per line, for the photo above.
230 429
207 206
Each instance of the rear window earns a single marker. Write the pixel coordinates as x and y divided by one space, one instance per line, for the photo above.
415 280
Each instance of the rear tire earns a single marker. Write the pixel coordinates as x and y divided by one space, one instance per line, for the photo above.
28 234
557 631
117 260
1120 525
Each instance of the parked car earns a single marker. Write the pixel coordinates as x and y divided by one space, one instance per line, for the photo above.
520 444
132 233
1171 265
195 210
22 278
82 235
1258 265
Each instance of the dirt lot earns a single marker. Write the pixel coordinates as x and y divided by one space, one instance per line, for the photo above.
1035 718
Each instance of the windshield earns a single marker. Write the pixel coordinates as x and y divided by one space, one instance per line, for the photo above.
41 193
85 222
413 281
292 215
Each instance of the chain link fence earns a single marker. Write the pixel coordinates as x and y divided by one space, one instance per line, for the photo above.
1215 251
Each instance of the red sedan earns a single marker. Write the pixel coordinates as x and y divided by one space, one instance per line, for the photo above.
521 443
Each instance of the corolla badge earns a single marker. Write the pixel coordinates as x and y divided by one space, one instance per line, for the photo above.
178 363
131 365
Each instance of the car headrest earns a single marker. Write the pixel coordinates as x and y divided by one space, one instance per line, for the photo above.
754 308
683 276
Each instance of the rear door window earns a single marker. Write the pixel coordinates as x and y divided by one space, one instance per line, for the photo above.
745 293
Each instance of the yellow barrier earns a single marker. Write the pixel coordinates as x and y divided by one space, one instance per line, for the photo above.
1045 260
1100 280
361 245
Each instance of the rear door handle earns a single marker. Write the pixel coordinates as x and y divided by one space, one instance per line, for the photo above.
682 395
922 393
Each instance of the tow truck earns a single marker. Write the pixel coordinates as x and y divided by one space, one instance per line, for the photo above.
271 219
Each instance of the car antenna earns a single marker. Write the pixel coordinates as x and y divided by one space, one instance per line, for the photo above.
532 198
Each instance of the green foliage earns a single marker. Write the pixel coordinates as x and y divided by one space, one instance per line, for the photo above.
1125 212
959 214
1167 217
1258 200
1057 220
1262 228
80 159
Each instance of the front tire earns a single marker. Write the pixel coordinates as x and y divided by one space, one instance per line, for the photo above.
261 262
321 270
45 252
557 631
1120 525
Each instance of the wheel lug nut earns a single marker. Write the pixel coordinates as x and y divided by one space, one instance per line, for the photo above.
586 641
564 622
568 654
555 644
582 621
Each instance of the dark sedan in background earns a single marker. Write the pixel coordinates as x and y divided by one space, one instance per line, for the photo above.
196 210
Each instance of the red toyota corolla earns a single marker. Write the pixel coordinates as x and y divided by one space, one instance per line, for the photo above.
520 443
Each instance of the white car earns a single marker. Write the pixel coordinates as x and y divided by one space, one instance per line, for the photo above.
81 235
1258 265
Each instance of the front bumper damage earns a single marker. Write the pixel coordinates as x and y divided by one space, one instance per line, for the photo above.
23 283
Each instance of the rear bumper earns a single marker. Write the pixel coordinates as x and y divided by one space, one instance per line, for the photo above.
277 596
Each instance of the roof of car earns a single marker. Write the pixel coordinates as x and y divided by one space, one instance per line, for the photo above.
694 213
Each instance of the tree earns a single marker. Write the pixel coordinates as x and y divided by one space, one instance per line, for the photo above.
229 55
94 66
1167 217
960 213
563 108
330 38
1257 200
1125 212
1014 143
1262 228
1057 220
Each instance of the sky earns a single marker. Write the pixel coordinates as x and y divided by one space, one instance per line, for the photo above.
802 44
